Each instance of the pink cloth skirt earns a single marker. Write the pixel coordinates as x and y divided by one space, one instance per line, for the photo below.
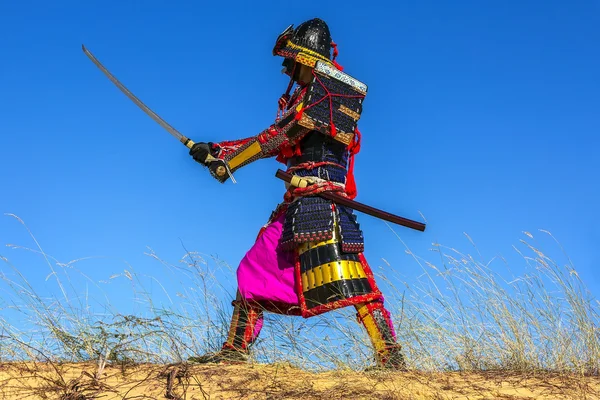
266 273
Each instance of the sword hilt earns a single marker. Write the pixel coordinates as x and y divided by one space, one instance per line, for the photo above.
217 167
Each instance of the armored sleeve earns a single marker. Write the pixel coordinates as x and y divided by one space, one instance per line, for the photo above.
278 139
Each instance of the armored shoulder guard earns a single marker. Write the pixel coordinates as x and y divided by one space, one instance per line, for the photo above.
333 103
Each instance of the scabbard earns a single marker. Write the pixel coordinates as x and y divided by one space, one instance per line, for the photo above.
355 205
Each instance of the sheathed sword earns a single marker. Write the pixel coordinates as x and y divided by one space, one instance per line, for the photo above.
219 167
336 198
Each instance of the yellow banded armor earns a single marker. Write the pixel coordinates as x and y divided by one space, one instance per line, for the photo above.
329 275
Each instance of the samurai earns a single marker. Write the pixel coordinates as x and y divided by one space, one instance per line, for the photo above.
308 258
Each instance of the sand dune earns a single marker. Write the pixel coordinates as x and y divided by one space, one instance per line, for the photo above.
255 381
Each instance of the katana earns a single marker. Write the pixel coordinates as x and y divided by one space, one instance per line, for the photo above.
217 165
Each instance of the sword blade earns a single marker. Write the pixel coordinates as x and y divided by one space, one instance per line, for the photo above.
183 139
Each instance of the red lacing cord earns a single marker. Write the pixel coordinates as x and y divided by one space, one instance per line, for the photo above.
321 186
284 99
329 96
353 147
335 54
311 165
314 189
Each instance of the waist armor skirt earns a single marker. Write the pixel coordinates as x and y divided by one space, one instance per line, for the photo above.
311 278
330 278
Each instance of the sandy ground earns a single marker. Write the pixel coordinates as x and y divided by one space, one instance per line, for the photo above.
82 382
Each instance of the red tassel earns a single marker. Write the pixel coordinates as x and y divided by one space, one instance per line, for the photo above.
350 183
353 149
333 129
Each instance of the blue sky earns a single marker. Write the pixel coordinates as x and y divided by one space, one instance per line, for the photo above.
482 116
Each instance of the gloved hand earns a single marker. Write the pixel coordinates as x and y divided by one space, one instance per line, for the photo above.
218 169
200 152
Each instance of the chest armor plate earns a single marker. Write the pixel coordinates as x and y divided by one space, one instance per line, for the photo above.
333 103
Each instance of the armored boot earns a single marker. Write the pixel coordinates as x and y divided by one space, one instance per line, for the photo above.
377 321
246 323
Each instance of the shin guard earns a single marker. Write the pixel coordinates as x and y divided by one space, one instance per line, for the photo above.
246 323
380 329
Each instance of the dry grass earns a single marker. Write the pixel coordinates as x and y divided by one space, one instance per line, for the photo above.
469 333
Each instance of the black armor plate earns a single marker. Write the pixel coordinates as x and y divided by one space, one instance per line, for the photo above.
333 94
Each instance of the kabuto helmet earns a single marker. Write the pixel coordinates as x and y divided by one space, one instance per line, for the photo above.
308 43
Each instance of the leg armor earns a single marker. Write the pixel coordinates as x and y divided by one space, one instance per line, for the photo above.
246 323
380 329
